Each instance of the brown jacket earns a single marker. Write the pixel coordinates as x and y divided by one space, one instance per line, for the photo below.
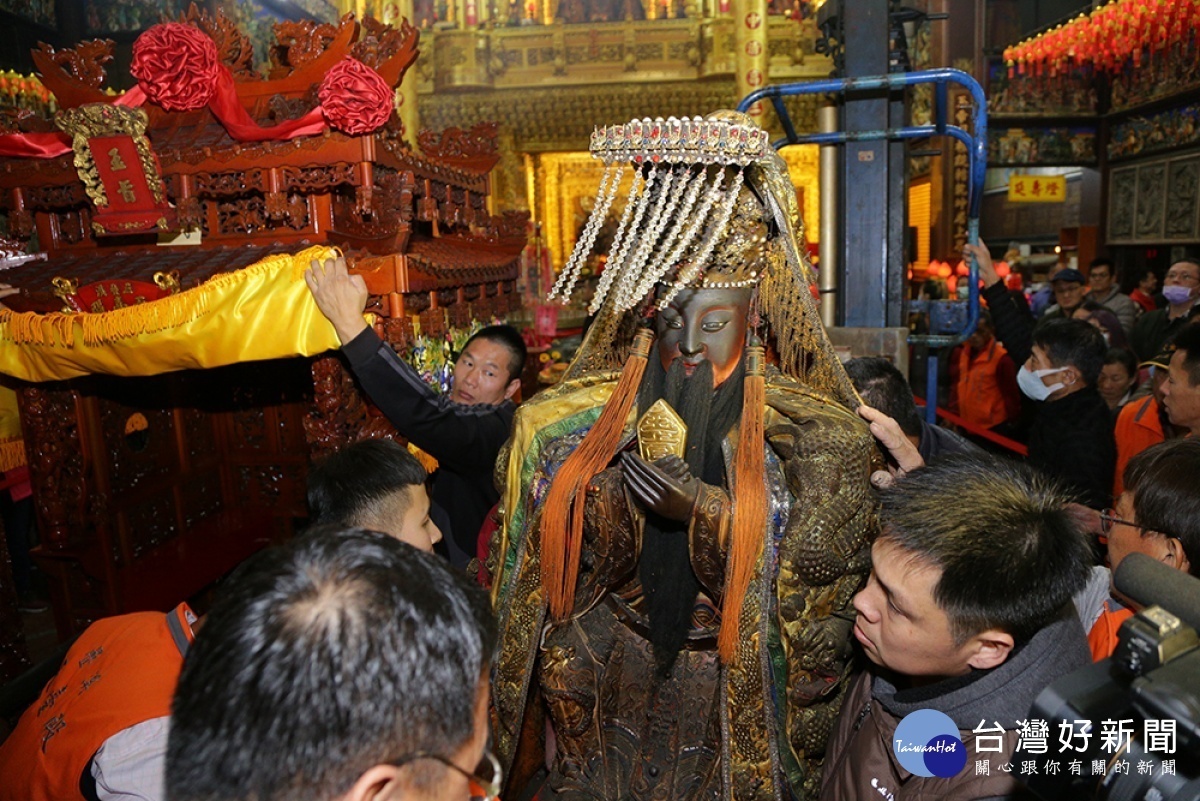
861 762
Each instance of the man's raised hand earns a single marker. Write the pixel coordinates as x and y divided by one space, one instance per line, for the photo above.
340 296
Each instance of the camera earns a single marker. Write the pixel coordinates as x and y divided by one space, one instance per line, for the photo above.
1136 716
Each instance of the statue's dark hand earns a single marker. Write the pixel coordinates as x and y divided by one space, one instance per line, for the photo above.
666 487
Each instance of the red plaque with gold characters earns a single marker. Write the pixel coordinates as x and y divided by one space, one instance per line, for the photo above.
118 168
105 296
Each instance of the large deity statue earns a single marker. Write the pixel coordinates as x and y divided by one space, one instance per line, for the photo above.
687 514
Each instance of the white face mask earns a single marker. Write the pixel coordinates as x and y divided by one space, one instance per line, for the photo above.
1030 382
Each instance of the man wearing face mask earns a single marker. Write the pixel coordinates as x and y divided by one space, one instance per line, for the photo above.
1181 288
1071 436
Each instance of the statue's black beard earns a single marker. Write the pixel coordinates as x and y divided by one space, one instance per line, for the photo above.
664 568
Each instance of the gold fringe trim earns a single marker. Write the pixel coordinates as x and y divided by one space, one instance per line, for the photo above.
428 462
58 329
12 455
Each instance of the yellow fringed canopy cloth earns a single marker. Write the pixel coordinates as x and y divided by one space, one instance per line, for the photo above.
263 311
12 446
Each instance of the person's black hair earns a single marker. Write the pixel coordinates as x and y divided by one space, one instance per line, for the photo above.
1188 340
1074 343
1123 357
1134 275
884 387
1166 495
338 651
511 340
349 486
1011 555
934 289
1104 261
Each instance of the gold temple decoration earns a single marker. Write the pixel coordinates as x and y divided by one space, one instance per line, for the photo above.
65 289
661 432
168 281
103 120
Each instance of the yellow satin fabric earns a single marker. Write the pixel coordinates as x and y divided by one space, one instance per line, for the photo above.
263 311
12 447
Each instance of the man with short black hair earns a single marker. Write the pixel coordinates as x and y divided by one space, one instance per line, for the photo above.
883 386
1181 392
1071 437
966 612
1143 283
1158 515
342 665
374 484
463 431
1106 292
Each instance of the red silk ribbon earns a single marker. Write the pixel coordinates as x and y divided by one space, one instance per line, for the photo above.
224 105
55 143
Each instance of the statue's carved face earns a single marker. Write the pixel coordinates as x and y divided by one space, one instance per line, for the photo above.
702 324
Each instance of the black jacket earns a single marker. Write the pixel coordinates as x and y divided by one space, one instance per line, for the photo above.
1070 438
1153 330
464 439
937 441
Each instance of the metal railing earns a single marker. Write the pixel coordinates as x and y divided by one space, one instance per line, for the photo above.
975 142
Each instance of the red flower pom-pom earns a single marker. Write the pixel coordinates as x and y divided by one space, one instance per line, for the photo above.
355 99
176 65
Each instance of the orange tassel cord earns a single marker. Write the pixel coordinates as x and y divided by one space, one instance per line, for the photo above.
563 508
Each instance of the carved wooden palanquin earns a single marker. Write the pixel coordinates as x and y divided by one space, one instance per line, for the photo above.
148 489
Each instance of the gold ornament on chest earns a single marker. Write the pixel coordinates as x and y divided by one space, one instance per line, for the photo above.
661 432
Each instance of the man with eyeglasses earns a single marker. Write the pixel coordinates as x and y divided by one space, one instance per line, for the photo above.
1158 515
1181 288
343 665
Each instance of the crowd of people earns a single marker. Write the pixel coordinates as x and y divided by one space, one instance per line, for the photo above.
1045 381
716 574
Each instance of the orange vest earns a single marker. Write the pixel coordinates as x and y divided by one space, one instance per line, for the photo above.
121 672
1138 427
1102 639
980 399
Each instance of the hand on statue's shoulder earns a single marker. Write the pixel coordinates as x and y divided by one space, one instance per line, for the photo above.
815 409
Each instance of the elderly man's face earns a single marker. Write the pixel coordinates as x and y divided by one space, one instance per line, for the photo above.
1184 274
704 325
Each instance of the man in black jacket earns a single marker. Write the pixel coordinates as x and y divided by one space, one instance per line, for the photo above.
463 431
1071 437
